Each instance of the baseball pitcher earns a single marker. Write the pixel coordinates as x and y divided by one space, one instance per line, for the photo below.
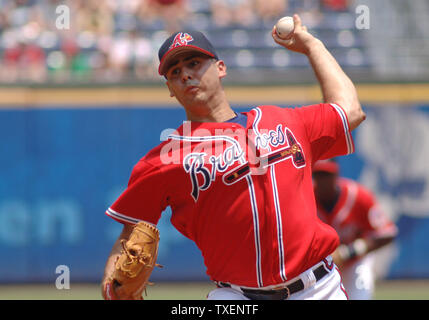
239 184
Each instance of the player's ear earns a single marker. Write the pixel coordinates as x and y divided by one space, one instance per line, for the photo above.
221 67
169 89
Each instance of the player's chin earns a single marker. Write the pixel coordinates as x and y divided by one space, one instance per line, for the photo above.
195 97
192 90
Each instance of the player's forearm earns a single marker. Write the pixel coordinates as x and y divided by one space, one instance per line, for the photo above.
336 86
360 247
115 252
377 243
110 263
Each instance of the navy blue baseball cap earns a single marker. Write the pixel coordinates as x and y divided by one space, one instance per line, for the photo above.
184 41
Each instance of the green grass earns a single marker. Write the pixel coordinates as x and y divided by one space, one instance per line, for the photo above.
403 290
159 291
386 290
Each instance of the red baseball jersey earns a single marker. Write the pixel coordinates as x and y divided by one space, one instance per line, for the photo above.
356 214
243 195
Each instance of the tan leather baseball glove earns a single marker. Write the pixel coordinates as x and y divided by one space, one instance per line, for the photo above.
135 264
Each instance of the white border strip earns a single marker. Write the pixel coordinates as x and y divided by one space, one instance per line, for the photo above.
343 116
112 213
282 266
279 225
256 230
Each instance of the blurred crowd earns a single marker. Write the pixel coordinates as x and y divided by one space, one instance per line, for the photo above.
116 40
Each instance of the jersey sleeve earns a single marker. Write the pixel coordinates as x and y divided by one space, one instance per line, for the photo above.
144 199
374 219
328 130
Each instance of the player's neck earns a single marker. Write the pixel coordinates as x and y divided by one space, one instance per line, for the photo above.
213 112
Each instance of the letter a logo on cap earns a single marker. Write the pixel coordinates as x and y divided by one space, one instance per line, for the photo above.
181 39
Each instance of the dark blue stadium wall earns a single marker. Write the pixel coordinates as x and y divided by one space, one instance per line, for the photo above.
61 168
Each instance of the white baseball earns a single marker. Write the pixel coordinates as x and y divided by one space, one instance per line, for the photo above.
284 27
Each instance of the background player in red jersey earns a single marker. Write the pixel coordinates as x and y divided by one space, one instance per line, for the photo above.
239 185
361 224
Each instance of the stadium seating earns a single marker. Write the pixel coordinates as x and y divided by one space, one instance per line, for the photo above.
240 45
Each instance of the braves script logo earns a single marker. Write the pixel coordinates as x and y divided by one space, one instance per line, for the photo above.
278 138
196 166
221 155
273 138
181 39
203 167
